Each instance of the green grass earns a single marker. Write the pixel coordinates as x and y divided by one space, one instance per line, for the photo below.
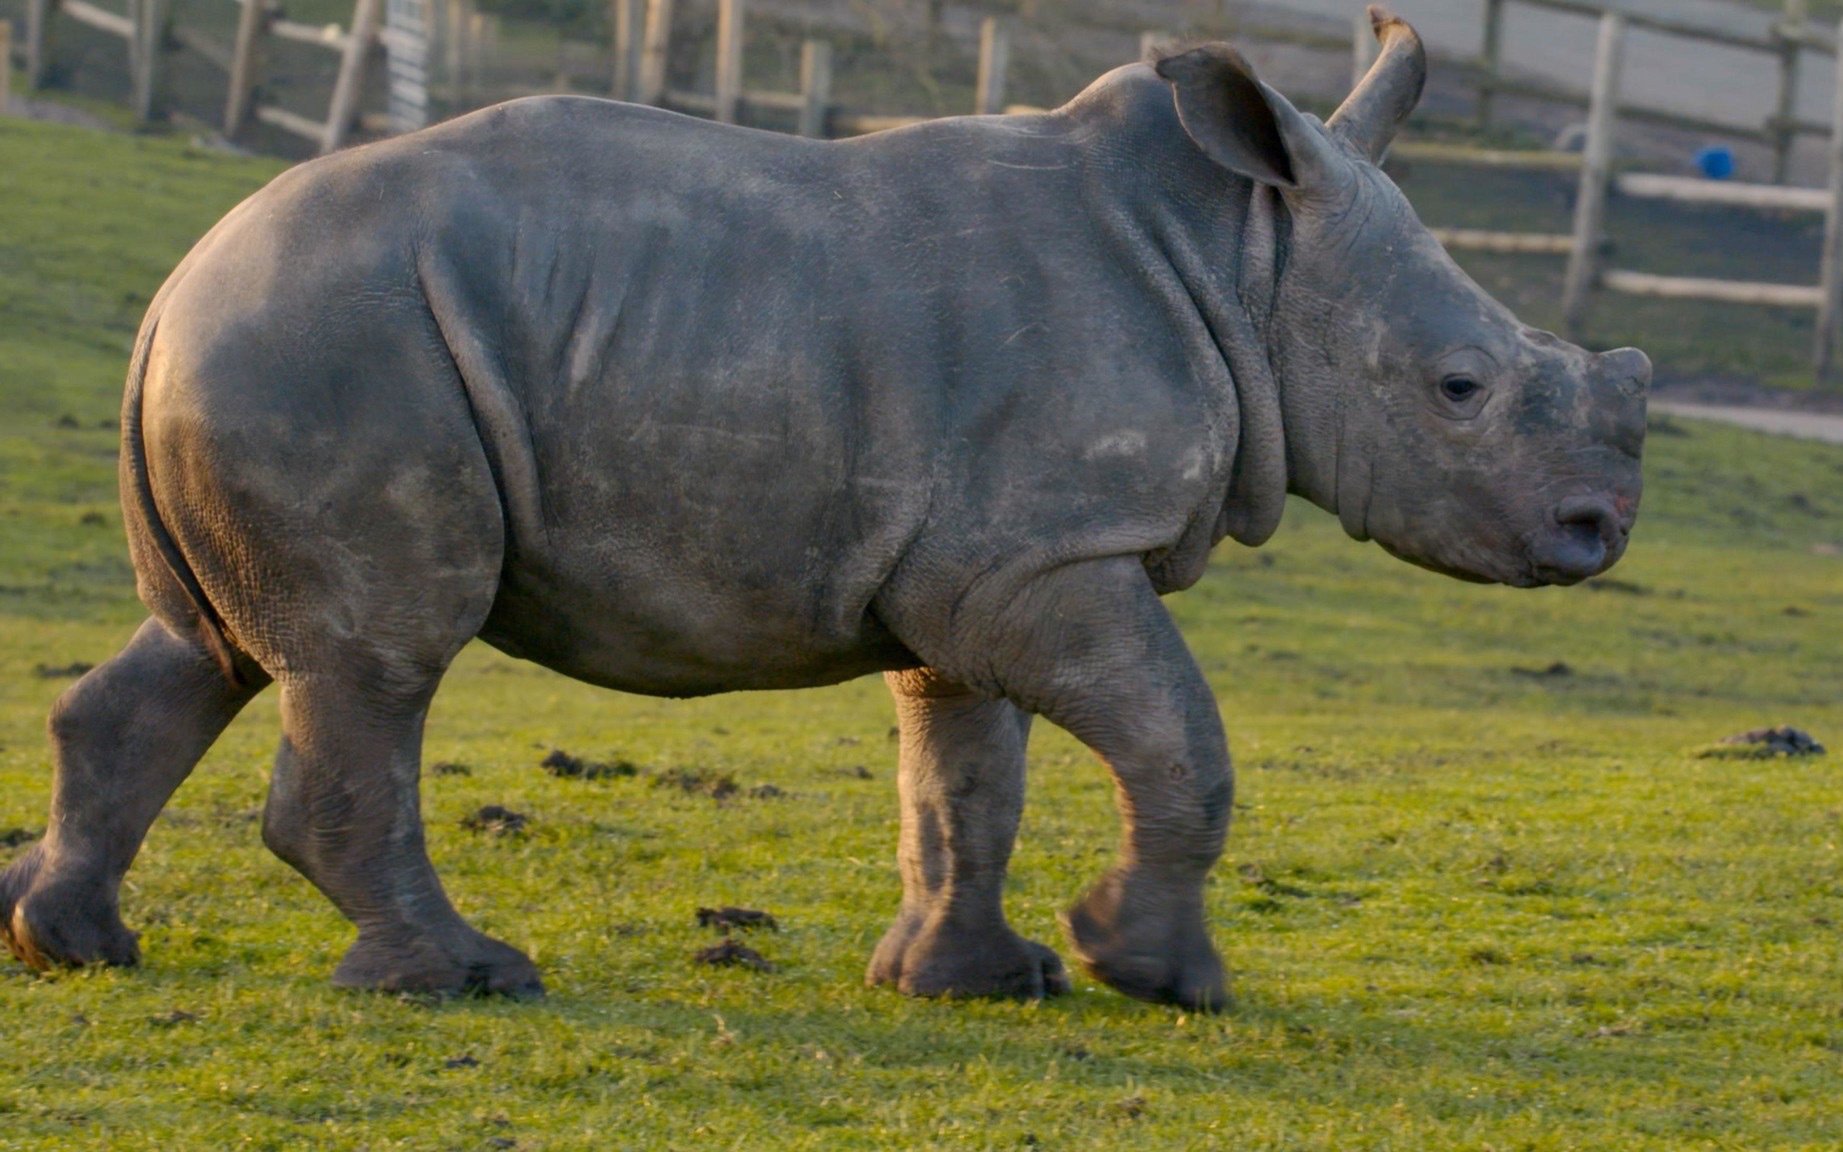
1469 904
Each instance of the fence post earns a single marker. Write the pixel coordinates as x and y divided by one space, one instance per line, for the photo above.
1363 49
144 57
38 41
1784 128
625 16
729 61
657 42
6 63
815 86
243 63
994 58
1830 310
1596 165
347 89
1491 60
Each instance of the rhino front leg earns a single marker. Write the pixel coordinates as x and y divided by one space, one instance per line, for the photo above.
962 787
1090 648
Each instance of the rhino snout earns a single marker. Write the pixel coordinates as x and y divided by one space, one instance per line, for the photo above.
1587 536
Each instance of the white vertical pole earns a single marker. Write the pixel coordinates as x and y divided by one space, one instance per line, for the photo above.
658 41
994 58
1596 170
406 52
729 60
815 86
625 15
1829 355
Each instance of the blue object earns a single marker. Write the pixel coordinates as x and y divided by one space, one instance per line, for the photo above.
1716 162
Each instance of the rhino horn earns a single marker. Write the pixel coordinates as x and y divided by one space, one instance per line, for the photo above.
1377 106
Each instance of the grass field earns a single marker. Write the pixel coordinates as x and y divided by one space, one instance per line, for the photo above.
1481 892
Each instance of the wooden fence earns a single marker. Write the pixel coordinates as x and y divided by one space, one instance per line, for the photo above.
147 28
1785 42
1586 244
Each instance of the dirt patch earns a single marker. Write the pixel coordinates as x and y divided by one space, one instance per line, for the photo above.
450 768
567 767
1763 744
725 918
495 820
728 953
14 837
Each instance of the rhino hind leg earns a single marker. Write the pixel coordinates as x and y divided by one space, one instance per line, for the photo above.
343 810
962 785
1090 648
125 735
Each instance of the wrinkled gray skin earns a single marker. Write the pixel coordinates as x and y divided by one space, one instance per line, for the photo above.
678 408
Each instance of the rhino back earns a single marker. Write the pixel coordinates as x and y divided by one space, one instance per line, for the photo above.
729 382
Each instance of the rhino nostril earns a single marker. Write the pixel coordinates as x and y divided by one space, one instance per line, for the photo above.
1589 533
1590 514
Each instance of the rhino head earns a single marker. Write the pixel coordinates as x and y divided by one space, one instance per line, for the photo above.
1414 406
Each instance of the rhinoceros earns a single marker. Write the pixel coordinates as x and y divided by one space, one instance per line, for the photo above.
679 408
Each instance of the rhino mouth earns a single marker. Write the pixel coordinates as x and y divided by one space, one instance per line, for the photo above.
1519 579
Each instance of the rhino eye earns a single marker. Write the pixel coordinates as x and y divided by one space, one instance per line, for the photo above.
1458 389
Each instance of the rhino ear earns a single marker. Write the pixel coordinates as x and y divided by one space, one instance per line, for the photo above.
1244 125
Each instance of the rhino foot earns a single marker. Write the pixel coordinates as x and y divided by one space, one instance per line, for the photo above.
52 924
469 965
1146 945
931 959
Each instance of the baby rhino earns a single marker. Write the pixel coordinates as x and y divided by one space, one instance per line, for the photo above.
679 408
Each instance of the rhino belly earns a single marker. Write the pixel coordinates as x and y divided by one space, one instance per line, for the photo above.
681 561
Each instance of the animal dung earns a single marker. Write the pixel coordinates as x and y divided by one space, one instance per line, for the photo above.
725 918
693 781
1764 744
565 766
1556 671
728 953
496 820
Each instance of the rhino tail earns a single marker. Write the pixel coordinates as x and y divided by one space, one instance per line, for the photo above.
142 516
